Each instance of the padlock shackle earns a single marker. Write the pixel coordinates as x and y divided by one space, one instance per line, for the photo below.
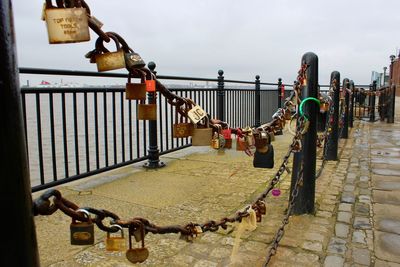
100 43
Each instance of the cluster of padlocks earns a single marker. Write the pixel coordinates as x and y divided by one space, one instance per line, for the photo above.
82 233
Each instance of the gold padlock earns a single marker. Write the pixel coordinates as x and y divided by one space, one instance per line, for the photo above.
106 60
66 25
181 129
115 243
202 135
135 91
147 112
82 233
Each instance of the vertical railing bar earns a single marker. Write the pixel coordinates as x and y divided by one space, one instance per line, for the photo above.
166 123
96 130
39 136
65 139
85 113
130 129
122 127
137 132
160 123
114 122
52 136
75 117
105 129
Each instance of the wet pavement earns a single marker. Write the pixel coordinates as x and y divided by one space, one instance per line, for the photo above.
356 221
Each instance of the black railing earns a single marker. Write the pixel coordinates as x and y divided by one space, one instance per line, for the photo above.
77 132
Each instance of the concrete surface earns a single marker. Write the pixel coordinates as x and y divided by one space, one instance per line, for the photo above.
356 221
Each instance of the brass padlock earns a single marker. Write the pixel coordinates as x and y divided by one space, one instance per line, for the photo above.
106 60
136 255
241 144
135 91
132 59
66 25
147 112
264 157
181 129
82 233
202 134
115 243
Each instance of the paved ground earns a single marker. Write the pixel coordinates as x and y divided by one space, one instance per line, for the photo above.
357 219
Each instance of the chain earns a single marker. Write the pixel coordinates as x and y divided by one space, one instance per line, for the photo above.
281 231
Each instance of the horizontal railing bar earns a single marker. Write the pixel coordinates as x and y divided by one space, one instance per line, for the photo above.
122 75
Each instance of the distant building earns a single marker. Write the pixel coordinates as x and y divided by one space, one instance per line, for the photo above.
395 74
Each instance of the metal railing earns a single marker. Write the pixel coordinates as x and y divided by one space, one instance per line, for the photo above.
77 132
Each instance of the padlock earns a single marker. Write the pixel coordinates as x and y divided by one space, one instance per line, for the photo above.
147 112
264 158
323 107
196 114
106 60
135 91
132 59
202 134
151 84
82 233
227 134
137 255
66 25
241 144
218 140
115 243
181 129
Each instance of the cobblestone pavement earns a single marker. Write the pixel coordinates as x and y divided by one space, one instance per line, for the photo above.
356 222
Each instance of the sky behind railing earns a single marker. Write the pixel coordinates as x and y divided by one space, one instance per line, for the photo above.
244 38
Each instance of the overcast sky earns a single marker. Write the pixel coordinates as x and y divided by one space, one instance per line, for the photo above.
244 38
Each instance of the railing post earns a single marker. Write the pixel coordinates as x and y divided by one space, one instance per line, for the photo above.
19 246
304 202
351 114
391 108
333 138
153 152
221 96
346 88
372 107
279 92
257 102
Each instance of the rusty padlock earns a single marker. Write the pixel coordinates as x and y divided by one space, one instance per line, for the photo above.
106 60
181 129
202 134
241 144
115 243
135 91
137 255
147 111
66 25
82 233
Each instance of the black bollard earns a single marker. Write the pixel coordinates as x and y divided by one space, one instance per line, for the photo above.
153 152
372 106
304 202
257 108
392 101
332 142
279 88
19 244
345 129
351 109
221 96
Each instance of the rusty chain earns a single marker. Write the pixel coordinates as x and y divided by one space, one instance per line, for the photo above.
281 230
